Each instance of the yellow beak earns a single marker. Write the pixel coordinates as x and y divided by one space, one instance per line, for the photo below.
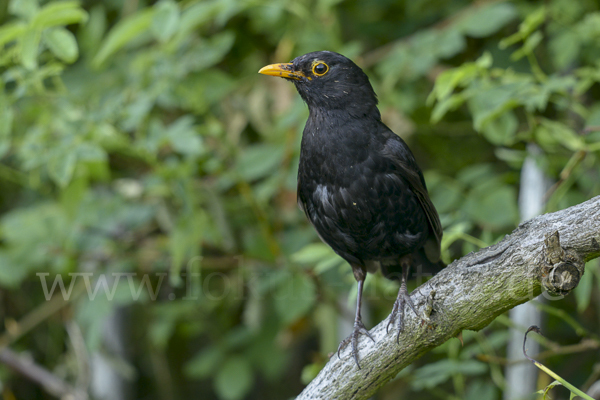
282 70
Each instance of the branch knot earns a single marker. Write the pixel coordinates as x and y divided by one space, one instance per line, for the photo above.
562 268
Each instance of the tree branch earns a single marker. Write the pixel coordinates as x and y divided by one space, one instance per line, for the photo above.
50 382
546 252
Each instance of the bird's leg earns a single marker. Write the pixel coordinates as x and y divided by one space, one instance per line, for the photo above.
403 297
359 327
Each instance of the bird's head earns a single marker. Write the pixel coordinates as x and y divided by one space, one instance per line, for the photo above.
328 81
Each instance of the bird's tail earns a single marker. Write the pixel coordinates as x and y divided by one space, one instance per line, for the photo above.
420 267
422 263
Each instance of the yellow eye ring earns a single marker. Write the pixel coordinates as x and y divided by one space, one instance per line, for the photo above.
320 68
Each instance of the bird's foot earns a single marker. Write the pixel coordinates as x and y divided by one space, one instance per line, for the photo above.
398 312
359 329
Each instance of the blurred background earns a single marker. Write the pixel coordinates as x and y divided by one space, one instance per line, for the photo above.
150 242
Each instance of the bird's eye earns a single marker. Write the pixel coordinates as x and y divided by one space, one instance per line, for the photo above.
320 68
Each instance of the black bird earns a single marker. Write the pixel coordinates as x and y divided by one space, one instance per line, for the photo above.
358 182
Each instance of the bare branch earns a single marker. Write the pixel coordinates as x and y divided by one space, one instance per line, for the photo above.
547 252
585 345
50 382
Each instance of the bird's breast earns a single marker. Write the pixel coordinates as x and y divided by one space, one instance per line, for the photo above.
371 216
352 193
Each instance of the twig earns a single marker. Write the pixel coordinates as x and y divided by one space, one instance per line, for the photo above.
35 373
562 314
566 173
584 345
590 129
81 356
17 329
548 370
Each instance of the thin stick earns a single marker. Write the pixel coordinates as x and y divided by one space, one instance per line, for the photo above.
35 373
549 371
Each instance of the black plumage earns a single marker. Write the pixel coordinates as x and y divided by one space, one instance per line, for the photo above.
358 182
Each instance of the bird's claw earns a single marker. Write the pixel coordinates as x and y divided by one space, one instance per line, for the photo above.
359 328
398 312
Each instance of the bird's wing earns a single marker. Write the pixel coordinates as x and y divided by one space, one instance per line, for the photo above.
396 150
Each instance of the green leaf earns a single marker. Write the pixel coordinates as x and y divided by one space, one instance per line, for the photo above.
90 152
476 175
59 13
198 15
481 390
450 42
259 160
25 9
7 116
30 43
214 50
445 194
434 374
318 254
449 80
183 137
166 20
593 118
495 340
487 20
184 239
205 363
123 33
485 61
11 31
312 253
455 78
530 24
212 83
295 297
62 44
234 379
328 263
502 130
91 33
551 132
492 205
443 107
564 48
528 47
490 103
44 222
11 274
533 21
61 167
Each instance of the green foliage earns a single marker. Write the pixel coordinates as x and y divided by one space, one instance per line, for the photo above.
234 379
137 138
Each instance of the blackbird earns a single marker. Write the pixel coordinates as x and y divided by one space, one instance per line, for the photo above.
358 182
